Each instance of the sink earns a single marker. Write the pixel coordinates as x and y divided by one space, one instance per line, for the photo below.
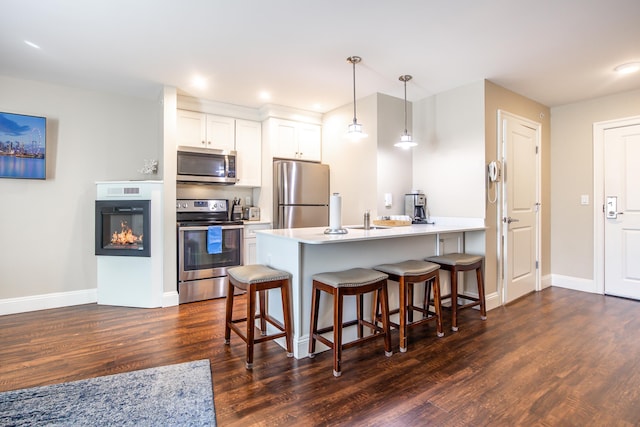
373 227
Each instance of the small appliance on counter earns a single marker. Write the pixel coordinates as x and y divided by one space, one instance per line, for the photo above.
415 206
251 213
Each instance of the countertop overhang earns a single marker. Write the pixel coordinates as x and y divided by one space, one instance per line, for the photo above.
316 235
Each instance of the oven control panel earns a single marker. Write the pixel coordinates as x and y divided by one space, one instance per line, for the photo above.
199 205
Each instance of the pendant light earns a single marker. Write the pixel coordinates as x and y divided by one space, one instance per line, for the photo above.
406 141
354 131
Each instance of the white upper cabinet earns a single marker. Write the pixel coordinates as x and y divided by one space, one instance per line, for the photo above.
248 146
220 132
192 129
295 140
205 130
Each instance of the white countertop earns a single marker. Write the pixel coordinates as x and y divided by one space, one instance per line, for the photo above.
316 235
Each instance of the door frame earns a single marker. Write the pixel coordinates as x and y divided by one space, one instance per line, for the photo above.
500 207
599 129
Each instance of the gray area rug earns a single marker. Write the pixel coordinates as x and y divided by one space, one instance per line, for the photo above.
166 396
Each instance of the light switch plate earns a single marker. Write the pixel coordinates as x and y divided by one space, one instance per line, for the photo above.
388 198
584 199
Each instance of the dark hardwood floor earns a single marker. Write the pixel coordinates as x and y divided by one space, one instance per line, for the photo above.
553 358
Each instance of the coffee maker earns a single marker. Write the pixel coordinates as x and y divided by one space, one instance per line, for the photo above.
415 206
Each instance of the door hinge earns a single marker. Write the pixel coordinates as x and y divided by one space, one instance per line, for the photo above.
537 265
537 148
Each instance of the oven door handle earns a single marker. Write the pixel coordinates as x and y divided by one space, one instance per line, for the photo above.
204 227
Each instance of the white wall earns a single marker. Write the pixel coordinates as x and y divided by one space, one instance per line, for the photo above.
363 171
353 163
572 225
395 168
448 163
47 227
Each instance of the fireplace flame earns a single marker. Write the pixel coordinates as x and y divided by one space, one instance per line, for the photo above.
126 236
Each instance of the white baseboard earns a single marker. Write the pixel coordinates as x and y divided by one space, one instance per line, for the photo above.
169 299
63 299
47 301
574 283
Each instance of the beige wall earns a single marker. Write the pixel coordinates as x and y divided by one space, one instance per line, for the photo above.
572 227
47 227
498 98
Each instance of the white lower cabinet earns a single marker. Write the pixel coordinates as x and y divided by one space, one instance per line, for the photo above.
250 241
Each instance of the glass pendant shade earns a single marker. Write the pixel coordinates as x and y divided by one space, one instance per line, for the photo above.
405 141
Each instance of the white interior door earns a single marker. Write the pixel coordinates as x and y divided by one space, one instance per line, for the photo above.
622 211
520 209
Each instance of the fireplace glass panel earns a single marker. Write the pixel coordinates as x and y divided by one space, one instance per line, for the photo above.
122 228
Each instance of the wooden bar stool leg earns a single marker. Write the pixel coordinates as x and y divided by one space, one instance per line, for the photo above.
426 300
315 305
359 311
402 321
437 305
286 310
385 320
251 324
337 332
483 308
454 299
229 313
263 311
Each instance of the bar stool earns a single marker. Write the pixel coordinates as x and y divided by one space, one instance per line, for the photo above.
455 263
258 279
355 281
408 273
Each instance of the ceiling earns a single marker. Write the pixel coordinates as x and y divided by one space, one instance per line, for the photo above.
554 52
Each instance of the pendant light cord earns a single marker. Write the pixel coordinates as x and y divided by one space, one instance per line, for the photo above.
355 120
405 106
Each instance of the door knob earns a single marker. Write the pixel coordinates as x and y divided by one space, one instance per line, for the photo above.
509 220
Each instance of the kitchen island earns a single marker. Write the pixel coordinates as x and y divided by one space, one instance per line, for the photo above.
304 252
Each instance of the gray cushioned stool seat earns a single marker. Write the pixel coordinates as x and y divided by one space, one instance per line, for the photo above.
350 278
408 268
455 259
256 274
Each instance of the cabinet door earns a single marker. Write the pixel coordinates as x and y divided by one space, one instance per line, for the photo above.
249 148
220 132
191 128
309 142
285 143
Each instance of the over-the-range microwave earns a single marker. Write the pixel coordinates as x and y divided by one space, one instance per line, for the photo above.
206 165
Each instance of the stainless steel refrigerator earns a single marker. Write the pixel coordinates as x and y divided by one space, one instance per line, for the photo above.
300 194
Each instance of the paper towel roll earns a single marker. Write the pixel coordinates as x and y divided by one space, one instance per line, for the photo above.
335 212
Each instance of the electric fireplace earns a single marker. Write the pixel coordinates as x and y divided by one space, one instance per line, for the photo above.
129 244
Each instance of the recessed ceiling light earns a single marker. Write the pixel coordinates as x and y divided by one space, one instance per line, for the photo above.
630 67
264 95
199 82
32 44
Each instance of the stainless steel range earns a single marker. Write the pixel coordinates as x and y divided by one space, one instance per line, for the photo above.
208 244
